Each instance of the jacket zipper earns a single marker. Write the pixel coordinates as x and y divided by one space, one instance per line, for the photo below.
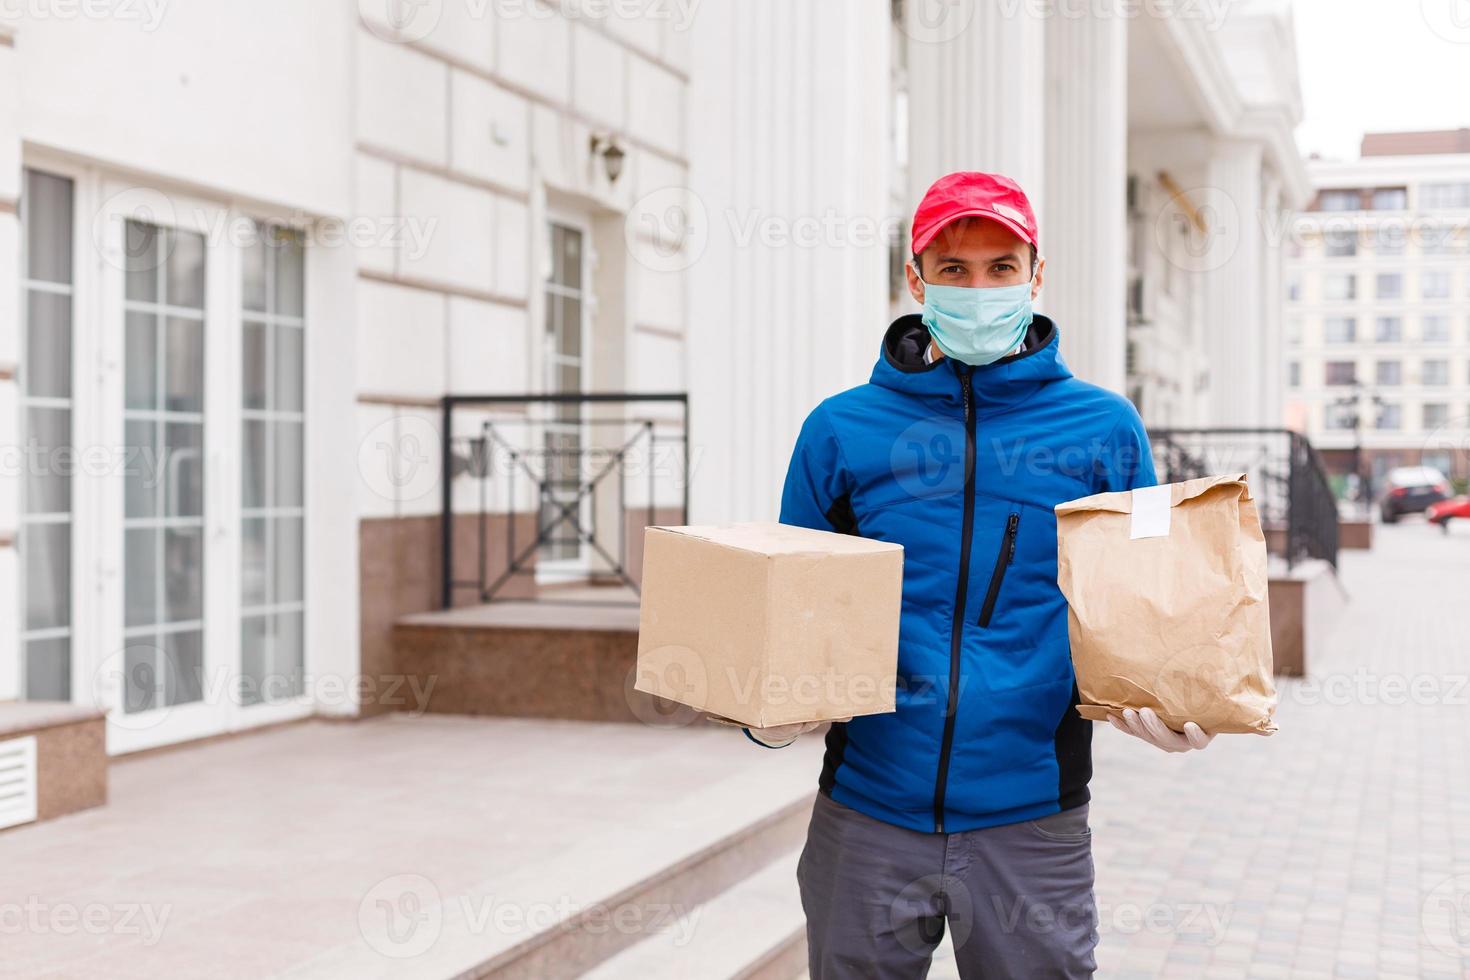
957 625
1003 559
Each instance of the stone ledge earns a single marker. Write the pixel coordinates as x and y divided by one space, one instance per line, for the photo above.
71 753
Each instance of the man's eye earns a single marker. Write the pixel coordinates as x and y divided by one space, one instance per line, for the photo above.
1003 269
953 270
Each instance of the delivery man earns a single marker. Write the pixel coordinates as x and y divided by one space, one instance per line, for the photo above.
968 804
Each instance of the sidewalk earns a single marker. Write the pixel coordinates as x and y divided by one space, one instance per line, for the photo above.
1339 847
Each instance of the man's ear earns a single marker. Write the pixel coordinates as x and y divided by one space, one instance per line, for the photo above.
916 284
1036 280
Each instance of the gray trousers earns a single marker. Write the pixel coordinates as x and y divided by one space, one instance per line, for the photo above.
1017 899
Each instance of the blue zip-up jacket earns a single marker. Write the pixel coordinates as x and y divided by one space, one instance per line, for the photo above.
962 467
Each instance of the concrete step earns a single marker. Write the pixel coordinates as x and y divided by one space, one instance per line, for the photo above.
527 660
665 898
752 931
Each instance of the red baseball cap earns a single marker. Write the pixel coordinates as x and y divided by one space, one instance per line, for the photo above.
969 194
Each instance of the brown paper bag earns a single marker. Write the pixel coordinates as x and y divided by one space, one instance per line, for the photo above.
1167 608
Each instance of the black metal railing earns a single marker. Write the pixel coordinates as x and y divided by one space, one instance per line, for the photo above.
1287 477
570 448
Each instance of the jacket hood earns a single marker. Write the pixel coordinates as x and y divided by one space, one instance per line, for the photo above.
994 386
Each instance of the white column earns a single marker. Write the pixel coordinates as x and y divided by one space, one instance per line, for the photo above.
788 281
1273 347
976 92
1234 332
1084 237
10 308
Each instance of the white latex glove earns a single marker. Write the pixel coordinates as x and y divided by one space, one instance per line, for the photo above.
780 736
1145 724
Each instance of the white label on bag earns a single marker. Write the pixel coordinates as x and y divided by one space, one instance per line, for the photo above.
1150 512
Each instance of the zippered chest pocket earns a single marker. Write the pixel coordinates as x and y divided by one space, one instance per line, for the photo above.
1005 557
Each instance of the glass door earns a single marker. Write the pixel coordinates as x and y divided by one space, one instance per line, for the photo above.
163 558
563 439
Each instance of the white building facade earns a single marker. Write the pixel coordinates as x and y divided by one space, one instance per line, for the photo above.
246 253
1378 286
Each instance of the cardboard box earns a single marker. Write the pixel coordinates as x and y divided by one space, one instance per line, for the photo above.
768 624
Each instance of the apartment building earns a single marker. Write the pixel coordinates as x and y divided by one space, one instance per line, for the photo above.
1377 294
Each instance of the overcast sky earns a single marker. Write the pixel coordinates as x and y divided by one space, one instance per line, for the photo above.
1376 65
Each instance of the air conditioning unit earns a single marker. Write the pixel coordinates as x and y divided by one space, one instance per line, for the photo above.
17 781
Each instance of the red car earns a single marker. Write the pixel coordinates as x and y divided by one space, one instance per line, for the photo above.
1444 511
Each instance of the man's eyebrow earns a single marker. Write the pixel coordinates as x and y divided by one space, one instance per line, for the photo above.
953 260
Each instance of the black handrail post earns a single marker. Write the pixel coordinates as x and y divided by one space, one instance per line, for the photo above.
446 503
686 459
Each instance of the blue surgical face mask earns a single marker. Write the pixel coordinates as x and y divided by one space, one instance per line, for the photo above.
977 326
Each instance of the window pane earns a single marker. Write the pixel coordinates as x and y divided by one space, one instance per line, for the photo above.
142 245
254 258
252 465
286 488
183 573
140 576
141 357
184 657
569 332
288 659
288 533
48 669
288 393
144 465
270 648
289 279
253 371
46 564
184 365
185 272
48 213
252 562
184 469
143 675
49 461
571 258
48 345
